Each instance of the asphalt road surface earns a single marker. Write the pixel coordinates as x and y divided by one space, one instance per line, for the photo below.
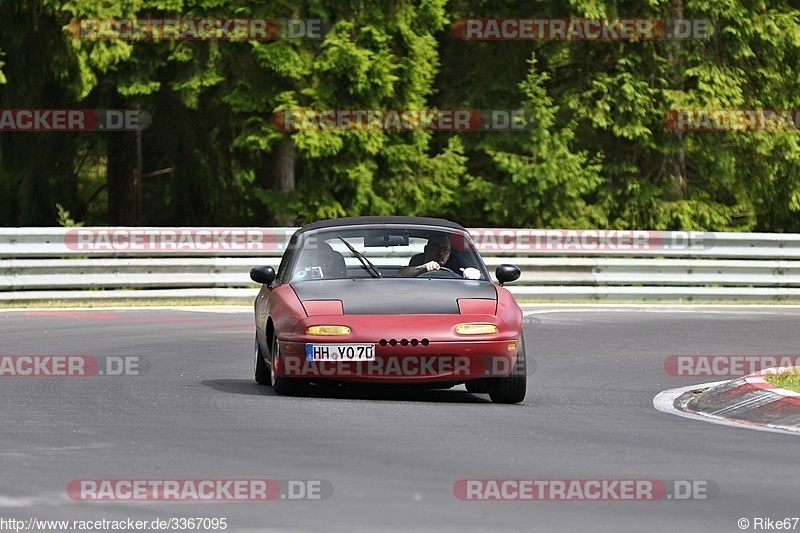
386 461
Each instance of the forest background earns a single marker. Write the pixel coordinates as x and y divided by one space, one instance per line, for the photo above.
600 153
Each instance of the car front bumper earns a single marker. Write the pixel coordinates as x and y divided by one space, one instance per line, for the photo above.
434 362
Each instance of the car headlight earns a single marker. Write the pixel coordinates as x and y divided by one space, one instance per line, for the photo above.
476 329
328 331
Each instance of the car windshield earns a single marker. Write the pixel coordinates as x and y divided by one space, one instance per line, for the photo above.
386 252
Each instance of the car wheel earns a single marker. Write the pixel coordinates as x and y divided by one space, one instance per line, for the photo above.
282 385
476 387
512 388
260 366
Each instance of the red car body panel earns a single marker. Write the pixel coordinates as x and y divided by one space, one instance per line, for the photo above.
404 346
323 307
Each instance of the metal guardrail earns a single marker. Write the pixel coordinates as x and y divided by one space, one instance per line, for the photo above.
130 263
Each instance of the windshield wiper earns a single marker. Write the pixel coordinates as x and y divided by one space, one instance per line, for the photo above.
365 263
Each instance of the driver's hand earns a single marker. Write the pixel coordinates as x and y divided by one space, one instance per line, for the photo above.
431 265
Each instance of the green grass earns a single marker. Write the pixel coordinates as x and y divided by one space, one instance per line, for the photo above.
787 379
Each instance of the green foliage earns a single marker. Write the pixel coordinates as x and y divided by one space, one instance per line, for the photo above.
598 154
549 185
65 220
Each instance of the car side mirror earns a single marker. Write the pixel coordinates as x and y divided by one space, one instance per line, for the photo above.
507 273
263 274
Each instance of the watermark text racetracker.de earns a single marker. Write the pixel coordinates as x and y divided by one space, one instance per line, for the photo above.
555 240
71 366
769 120
585 489
174 239
40 120
193 29
199 490
726 365
402 119
573 29
406 366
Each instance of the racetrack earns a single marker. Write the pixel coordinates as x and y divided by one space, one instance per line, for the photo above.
392 458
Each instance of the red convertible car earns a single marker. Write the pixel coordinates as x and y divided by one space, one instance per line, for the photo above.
393 300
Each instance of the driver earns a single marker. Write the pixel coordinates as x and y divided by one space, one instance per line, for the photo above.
322 262
330 261
435 255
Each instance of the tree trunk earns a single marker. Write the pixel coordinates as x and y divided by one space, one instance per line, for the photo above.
679 180
122 175
281 176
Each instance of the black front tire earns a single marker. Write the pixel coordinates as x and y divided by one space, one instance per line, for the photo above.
512 388
282 385
260 367
476 387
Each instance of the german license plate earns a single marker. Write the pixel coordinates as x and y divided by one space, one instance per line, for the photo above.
340 352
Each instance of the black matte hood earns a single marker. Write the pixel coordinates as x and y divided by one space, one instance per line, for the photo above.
396 295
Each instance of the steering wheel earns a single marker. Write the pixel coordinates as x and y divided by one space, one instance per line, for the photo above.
443 272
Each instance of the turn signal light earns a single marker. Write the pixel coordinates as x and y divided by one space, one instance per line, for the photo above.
476 329
328 331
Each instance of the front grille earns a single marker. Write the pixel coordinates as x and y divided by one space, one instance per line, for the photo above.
404 342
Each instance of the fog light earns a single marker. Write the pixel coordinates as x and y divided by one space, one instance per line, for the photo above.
328 330
476 329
